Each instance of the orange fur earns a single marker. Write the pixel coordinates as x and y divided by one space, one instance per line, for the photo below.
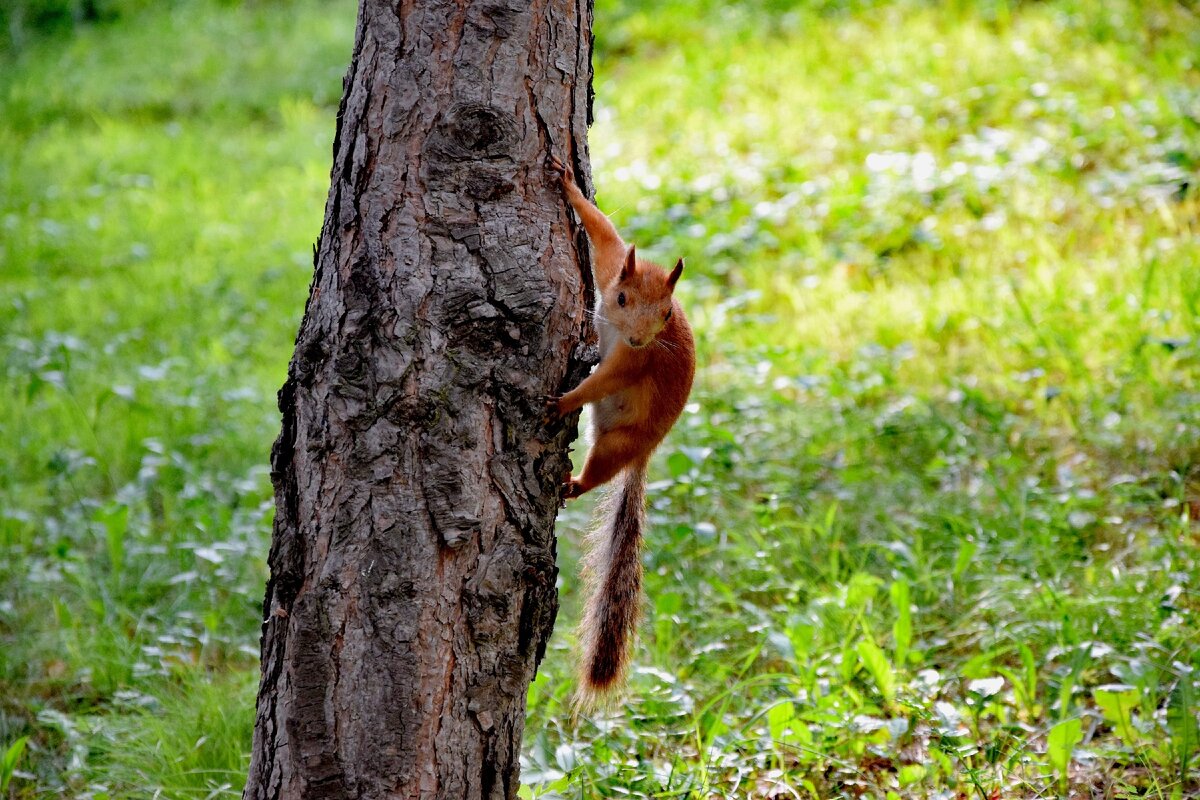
639 389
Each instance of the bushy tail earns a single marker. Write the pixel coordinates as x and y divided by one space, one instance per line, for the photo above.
613 570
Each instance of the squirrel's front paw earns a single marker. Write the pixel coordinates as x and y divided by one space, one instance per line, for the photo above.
565 175
552 404
573 489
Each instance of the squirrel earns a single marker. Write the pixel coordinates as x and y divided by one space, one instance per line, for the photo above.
638 390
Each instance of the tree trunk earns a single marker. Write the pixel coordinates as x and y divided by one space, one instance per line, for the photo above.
412 586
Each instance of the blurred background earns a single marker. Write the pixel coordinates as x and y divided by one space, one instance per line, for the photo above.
930 528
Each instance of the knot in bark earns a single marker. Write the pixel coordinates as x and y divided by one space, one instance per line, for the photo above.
481 129
475 131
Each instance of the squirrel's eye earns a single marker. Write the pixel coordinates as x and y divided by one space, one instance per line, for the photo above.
621 299
667 316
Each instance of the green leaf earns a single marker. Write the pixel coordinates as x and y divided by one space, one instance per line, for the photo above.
678 464
1181 721
861 589
712 725
668 603
801 635
1117 703
799 733
966 552
1020 696
1080 658
115 518
981 665
62 613
876 663
778 718
911 773
1060 744
1031 676
848 665
8 764
902 627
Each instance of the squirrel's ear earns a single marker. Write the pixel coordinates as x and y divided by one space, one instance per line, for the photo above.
673 278
630 267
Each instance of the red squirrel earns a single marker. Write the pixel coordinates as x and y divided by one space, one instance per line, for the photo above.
639 389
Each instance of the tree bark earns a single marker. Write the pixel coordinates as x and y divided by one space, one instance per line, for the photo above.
412 586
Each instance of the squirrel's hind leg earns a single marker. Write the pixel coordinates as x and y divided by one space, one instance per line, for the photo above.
614 450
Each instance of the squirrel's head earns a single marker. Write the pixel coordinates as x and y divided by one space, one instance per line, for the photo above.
638 304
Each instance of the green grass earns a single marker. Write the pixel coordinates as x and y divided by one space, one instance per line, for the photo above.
930 528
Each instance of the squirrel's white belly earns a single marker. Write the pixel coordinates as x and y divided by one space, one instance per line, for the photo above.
612 411
609 412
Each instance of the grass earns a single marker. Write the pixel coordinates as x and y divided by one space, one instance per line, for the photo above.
929 529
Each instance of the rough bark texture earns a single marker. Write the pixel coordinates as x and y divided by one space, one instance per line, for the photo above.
412 584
